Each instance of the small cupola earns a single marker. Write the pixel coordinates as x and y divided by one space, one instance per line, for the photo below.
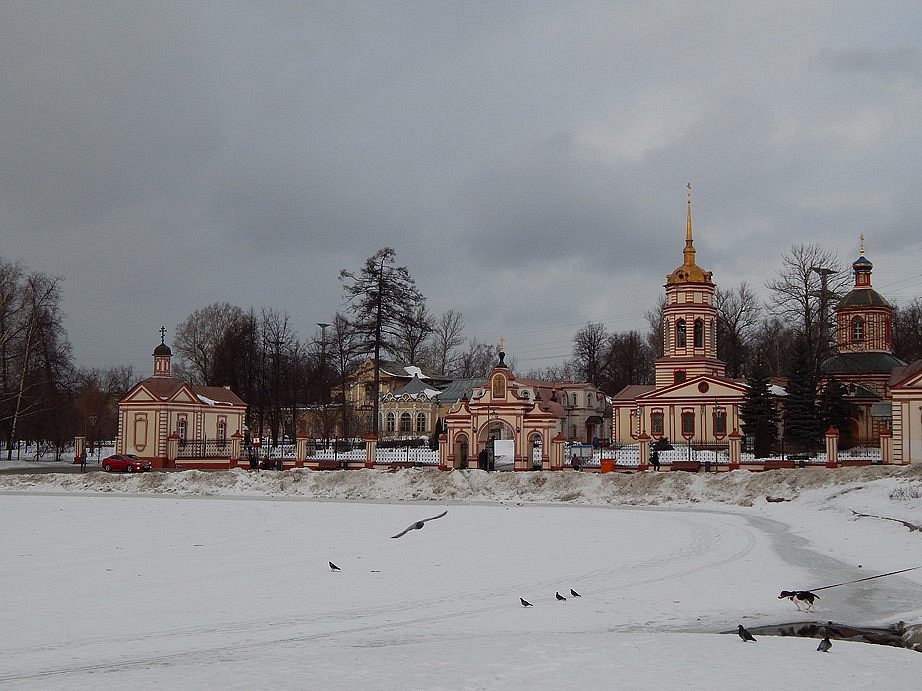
162 355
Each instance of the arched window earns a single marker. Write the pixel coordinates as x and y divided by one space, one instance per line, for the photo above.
420 422
680 333
222 430
391 421
404 422
699 333
857 329
656 424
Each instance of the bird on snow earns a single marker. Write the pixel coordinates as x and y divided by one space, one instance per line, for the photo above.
525 603
824 645
744 634
334 567
574 593
418 525
559 596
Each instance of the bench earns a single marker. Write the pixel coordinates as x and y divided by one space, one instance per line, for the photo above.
776 465
688 466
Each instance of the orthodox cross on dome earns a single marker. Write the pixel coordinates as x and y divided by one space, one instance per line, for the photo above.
502 347
862 244
162 334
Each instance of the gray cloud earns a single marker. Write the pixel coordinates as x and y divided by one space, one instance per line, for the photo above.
528 161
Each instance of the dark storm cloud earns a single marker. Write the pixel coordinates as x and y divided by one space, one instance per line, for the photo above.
528 161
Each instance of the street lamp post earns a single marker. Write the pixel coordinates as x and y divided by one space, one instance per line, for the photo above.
324 397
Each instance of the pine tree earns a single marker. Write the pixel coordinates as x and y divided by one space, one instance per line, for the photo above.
803 425
758 412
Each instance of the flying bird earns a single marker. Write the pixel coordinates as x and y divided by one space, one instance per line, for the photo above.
418 525
744 634
559 596
334 567
824 645
525 603
574 593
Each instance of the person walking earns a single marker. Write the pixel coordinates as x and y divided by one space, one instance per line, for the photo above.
654 459
83 460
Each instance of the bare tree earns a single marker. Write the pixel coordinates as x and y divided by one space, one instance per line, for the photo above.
738 314
476 361
447 336
410 345
198 336
344 355
383 299
629 360
590 352
907 331
804 293
655 333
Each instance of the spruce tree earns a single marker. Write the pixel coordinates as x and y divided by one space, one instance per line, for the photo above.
803 425
758 412
836 411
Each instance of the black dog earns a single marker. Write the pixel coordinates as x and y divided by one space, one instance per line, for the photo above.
800 596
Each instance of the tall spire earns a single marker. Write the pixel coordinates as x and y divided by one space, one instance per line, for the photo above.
689 252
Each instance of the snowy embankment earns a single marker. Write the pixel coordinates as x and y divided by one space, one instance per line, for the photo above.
739 488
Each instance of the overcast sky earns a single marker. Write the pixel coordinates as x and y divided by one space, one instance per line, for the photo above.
528 161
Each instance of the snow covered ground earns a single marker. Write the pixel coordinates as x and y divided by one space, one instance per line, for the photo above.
220 580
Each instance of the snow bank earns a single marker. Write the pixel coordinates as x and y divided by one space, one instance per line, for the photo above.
740 488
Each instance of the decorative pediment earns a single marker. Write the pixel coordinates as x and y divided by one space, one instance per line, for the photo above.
912 381
139 394
702 387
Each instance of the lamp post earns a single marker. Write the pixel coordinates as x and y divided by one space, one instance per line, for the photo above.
323 383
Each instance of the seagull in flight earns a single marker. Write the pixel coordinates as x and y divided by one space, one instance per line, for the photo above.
418 525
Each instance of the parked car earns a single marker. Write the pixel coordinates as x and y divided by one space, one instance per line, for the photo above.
124 462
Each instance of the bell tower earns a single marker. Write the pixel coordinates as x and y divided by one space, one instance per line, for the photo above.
689 320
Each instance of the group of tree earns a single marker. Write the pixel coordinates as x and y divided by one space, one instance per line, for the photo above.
257 353
43 398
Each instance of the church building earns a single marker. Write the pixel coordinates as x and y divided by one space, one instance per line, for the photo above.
175 424
692 401
864 360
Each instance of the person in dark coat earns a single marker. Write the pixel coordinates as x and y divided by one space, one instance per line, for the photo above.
654 459
83 460
483 459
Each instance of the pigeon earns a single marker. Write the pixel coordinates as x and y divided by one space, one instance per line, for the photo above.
559 596
418 525
574 593
744 634
334 567
525 603
824 645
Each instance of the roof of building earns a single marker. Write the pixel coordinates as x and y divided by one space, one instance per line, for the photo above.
416 387
863 297
900 374
458 388
632 391
861 363
166 387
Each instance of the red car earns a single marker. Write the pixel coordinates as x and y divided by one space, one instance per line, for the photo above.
124 462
